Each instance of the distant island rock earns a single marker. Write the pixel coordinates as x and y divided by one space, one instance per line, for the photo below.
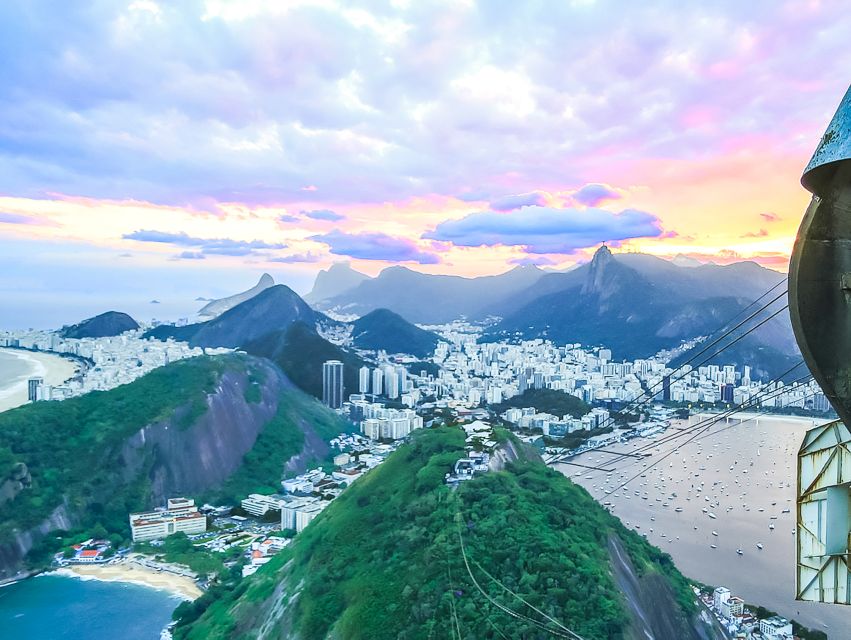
111 323
215 308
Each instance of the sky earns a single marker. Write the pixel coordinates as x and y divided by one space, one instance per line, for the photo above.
168 151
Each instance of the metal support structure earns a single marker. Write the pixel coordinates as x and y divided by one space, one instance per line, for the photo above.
824 478
820 310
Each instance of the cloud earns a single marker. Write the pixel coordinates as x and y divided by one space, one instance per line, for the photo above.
209 246
297 258
287 218
375 246
511 202
17 218
190 255
324 214
594 194
768 216
546 229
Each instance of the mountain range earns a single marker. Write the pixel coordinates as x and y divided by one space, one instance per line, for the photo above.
635 304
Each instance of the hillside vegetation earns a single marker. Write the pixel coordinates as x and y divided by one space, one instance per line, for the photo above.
385 561
553 401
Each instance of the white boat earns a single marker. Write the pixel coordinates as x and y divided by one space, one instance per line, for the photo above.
771 526
715 533
679 509
740 552
713 546
759 545
712 515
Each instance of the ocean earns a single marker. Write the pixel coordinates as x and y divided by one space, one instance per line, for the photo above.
53 607
12 369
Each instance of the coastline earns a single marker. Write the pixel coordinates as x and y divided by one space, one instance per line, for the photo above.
130 572
52 367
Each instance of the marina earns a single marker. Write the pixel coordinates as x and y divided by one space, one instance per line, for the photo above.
722 506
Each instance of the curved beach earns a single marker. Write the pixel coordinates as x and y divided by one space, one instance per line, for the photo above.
134 573
54 369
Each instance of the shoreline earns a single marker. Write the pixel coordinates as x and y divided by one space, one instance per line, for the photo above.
131 572
53 368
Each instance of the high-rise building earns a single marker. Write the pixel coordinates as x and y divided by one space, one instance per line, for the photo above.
33 385
727 391
666 388
377 381
332 383
363 386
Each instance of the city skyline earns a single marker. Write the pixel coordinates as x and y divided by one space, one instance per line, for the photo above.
173 146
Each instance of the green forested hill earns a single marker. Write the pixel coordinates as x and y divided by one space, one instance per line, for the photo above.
220 426
385 561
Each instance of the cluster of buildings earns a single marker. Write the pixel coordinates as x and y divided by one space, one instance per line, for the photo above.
106 363
378 422
740 622
555 426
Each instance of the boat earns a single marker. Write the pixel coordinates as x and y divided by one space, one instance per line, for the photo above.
712 515
740 552
713 546
759 545
771 526
714 533
679 509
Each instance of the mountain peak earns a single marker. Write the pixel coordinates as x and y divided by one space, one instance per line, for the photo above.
596 279
334 280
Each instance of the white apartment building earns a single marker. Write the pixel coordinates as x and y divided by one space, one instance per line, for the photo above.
180 514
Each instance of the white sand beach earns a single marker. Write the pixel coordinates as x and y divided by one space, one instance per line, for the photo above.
52 368
135 573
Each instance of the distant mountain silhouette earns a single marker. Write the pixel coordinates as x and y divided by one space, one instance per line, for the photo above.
383 329
111 323
215 308
637 304
339 278
424 298
273 309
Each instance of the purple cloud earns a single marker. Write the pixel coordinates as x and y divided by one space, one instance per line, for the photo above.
769 216
594 194
324 214
375 246
214 246
546 229
511 202
287 218
17 218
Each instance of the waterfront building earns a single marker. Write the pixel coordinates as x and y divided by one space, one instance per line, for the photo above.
180 514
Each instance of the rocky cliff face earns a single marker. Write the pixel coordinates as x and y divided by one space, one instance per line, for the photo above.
180 455
189 460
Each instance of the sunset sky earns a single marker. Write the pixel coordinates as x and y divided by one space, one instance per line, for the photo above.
171 150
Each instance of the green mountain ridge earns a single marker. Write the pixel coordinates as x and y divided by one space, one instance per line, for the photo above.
300 351
401 555
382 329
